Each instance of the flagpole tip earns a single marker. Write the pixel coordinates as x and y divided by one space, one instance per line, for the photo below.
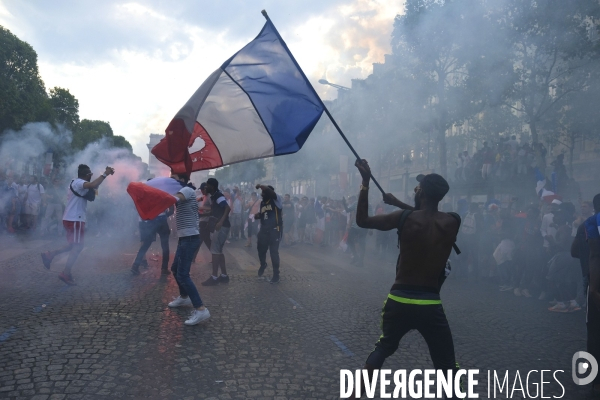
264 13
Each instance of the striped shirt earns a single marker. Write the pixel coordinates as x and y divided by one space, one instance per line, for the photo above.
187 213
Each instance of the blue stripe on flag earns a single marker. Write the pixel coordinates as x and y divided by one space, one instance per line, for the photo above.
283 98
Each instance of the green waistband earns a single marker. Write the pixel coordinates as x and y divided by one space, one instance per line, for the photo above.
414 301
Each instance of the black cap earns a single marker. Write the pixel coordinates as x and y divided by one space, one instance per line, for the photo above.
213 182
434 186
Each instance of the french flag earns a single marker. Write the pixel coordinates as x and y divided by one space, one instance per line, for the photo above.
545 195
257 104
153 197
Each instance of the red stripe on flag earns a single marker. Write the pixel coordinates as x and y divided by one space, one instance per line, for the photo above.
173 149
209 156
149 201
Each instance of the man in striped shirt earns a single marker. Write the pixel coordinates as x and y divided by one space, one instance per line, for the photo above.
189 242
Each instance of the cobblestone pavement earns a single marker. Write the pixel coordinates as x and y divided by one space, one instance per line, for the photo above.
113 337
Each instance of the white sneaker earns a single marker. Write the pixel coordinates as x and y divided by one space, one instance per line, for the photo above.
180 301
198 316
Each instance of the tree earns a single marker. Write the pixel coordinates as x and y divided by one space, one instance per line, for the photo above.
23 96
89 131
121 142
428 39
65 107
550 53
493 122
579 120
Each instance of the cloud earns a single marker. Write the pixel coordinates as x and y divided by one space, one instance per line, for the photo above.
134 64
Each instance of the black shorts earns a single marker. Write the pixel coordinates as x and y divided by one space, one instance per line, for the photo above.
405 310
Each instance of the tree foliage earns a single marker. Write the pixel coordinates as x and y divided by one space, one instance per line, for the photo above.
65 107
89 131
23 96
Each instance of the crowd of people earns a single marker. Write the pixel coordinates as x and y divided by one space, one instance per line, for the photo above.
28 203
35 205
505 160
316 221
527 251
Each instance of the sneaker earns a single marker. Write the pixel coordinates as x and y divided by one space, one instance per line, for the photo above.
525 293
164 271
574 306
180 301
198 316
47 260
261 270
223 279
542 296
559 307
275 279
505 288
68 279
553 302
144 264
135 271
517 292
211 281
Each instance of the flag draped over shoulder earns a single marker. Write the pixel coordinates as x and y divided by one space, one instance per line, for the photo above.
257 104
154 196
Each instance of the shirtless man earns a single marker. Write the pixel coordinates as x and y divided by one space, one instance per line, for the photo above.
426 241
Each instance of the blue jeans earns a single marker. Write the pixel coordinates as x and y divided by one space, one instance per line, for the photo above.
186 248
148 231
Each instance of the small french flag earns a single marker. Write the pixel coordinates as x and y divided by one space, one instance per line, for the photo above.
154 196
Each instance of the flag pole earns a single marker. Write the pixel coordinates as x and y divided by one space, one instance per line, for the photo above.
264 13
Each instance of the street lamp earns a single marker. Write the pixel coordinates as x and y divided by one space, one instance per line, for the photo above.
326 82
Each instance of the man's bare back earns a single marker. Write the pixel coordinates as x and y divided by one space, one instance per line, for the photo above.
425 244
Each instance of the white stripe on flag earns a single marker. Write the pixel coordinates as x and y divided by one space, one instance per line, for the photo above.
233 124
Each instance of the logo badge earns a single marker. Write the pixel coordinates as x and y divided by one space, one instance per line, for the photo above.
579 367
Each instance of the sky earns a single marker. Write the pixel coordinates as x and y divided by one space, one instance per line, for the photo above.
135 64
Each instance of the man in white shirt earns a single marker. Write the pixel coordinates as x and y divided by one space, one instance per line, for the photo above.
81 190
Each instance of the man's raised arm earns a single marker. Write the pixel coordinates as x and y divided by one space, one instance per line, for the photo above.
383 222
